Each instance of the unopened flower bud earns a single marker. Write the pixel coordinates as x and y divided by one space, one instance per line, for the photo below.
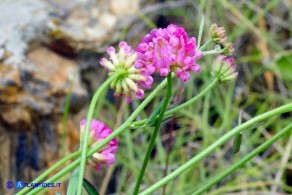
218 34
219 37
229 49
224 69
98 132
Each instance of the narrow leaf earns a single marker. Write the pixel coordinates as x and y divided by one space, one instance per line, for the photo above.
237 143
237 139
201 29
73 182
89 187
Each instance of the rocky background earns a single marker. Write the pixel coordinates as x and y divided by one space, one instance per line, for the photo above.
49 49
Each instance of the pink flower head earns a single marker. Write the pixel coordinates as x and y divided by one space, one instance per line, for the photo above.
132 79
224 69
98 132
168 49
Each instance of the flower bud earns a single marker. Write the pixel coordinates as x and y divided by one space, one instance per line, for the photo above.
218 34
224 69
219 37
98 132
229 49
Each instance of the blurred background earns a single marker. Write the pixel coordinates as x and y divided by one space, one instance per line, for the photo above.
49 70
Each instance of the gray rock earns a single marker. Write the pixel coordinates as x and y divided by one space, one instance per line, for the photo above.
20 22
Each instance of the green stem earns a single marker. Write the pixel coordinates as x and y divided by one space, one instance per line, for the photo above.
205 45
154 134
138 123
65 119
126 125
70 167
147 20
213 52
84 145
50 170
265 145
219 142
184 105
193 100
128 122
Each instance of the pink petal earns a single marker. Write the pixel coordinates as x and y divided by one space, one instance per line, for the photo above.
164 72
110 50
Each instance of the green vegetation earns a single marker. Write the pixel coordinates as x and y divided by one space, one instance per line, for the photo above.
263 83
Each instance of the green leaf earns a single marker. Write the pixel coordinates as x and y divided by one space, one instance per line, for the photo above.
237 139
89 187
201 29
284 65
73 182
237 143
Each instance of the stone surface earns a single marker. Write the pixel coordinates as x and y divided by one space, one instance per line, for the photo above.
92 25
21 22
28 95
47 50
88 24
127 7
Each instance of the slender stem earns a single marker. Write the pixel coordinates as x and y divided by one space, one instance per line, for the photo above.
154 134
128 122
70 167
50 170
283 165
126 125
184 105
265 145
219 142
205 45
84 145
214 51
193 100
277 111
147 21
65 119
169 147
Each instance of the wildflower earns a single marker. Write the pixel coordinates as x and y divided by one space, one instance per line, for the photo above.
224 69
229 49
132 79
218 34
219 37
168 49
98 132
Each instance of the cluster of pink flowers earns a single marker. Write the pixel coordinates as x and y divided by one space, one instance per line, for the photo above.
163 51
133 79
168 49
98 132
